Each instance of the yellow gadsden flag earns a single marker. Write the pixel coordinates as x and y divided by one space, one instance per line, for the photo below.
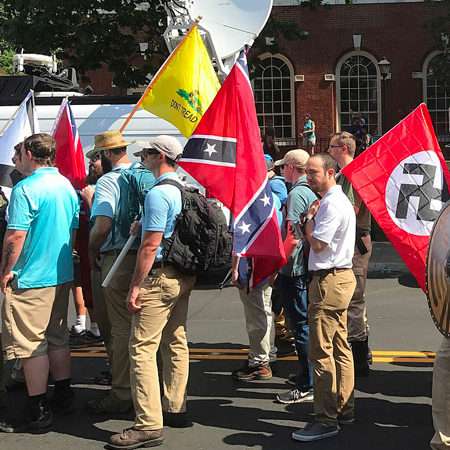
184 86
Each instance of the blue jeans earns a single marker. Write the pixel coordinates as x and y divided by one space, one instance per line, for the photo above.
294 294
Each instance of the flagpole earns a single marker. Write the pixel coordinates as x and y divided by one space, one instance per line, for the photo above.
156 77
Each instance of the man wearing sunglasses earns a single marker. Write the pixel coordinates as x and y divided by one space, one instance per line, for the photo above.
105 243
342 149
158 300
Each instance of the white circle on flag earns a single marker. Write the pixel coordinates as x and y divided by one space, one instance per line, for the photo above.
409 198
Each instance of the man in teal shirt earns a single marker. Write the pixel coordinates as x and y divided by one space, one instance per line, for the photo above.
36 273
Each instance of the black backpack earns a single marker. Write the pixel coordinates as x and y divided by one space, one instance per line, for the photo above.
201 240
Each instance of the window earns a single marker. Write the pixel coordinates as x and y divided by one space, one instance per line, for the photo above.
437 98
358 91
273 86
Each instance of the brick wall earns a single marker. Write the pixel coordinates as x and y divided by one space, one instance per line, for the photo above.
396 31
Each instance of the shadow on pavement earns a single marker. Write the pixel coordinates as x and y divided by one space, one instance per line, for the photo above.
399 423
391 411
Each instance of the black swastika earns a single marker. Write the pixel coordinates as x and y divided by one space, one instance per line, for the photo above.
425 192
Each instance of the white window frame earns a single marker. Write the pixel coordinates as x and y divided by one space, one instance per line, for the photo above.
288 63
425 68
338 87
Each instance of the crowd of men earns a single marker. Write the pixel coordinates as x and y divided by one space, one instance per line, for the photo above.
143 310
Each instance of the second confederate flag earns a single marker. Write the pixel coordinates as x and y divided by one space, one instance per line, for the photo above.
225 155
403 180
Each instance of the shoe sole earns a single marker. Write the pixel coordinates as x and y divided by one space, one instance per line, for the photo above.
147 444
314 438
308 398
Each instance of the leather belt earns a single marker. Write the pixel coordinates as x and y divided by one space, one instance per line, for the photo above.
323 272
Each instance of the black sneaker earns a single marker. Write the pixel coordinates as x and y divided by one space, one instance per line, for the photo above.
250 373
315 431
84 339
177 420
295 396
63 402
37 420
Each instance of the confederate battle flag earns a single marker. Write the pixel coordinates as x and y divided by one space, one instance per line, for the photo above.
403 180
225 155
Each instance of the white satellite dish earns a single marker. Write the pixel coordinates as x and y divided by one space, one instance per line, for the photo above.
227 26
232 24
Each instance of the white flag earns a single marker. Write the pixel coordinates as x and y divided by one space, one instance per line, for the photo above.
23 124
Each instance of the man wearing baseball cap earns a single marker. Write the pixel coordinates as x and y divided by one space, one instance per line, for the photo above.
158 300
292 279
105 243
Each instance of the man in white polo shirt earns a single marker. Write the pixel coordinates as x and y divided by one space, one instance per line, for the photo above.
330 230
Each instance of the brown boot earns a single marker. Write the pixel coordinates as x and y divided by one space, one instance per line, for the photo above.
131 438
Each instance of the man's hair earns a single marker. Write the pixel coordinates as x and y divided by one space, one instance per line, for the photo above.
347 139
327 161
42 147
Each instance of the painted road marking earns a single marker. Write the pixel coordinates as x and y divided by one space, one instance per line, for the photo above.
198 354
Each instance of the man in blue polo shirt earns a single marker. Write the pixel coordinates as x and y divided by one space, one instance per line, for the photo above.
158 299
36 273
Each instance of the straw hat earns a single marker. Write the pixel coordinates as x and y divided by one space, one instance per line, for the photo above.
108 140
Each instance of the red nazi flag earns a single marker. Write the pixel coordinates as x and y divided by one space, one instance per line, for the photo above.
403 180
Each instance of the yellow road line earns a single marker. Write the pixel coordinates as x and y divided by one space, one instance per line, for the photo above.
218 354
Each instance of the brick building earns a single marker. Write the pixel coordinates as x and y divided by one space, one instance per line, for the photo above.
335 74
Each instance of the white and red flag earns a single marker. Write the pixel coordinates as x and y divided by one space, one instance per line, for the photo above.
225 155
69 152
403 180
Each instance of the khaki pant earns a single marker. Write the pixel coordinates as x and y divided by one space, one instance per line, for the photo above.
441 398
115 298
101 314
330 353
161 323
358 328
34 321
260 325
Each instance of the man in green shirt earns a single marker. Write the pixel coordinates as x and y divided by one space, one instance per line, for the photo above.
342 149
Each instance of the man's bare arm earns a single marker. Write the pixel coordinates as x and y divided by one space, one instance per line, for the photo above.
316 244
144 262
12 247
97 236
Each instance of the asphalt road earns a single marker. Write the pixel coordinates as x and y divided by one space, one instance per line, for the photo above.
393 404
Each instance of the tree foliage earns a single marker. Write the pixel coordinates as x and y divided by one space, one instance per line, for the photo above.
88 34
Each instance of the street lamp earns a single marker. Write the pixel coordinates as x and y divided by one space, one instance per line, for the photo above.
143 47
385 70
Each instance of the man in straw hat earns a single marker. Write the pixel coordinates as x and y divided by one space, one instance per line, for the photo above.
158 300
105 243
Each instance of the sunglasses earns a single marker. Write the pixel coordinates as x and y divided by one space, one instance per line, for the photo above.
335 146
149 151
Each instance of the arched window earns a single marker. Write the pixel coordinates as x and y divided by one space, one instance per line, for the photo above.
436 97
358 91
273 85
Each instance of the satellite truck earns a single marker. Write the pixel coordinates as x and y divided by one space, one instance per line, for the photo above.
227 26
